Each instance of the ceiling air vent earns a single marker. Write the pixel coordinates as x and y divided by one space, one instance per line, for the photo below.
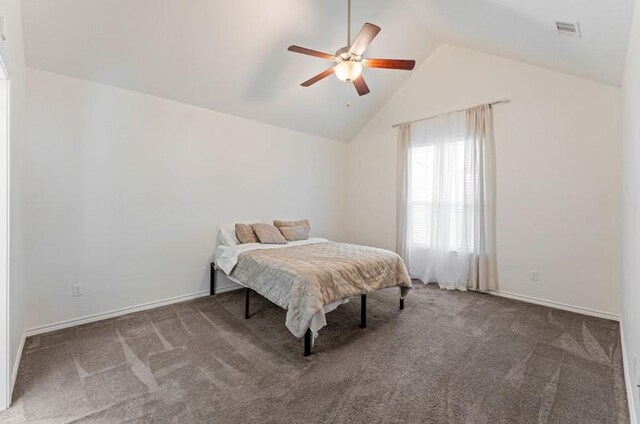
571 29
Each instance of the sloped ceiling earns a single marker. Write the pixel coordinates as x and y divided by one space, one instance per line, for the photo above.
231 56
525 30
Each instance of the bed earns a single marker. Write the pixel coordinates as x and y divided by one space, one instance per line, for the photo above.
310 278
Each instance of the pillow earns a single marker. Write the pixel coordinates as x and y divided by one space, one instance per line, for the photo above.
245 234
227 235
294 232
303 222
301 231
268 234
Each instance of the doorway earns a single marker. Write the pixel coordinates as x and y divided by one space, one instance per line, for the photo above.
5 356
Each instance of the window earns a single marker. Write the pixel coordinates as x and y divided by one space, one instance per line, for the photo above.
441 194
446 200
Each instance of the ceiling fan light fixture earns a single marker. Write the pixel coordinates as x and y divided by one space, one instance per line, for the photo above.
348 70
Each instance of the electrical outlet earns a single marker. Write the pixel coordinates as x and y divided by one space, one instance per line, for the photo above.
76 290
534 275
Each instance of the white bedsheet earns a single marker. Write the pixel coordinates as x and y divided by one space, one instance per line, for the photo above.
226 258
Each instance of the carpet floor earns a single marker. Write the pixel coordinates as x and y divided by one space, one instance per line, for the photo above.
449 357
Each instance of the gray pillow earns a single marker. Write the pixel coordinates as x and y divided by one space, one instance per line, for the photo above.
268 234
245 234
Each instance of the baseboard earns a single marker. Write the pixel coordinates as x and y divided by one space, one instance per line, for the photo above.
115 313
228 288
14 374
628 380
557 305
118 312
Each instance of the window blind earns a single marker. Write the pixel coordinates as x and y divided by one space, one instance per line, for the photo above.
442 180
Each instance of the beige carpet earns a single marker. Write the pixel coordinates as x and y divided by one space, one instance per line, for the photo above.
449 357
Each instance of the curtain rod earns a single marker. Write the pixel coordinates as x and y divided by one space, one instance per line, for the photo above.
459 110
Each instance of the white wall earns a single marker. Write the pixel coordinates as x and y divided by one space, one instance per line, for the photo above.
13 55
558 172
631 218
124 192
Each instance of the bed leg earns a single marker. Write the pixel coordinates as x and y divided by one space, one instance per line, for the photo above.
401 303
363 311
247 291
212 281
307 342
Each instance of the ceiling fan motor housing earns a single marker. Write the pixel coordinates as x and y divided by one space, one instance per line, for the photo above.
344 54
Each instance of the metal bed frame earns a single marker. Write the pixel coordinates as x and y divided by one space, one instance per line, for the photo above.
307 334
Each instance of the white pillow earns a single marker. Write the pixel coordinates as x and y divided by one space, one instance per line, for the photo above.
227 235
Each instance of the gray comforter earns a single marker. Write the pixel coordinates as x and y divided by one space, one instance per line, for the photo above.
303 279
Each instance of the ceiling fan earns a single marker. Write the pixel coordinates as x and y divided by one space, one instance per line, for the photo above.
349 62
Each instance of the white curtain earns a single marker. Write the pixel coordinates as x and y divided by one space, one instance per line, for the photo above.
404 170
446 200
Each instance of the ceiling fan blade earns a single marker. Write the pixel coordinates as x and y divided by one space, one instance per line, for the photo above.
360 85
309 52
317 78
364 38
402 64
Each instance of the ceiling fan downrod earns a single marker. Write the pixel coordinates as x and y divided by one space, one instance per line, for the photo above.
348 23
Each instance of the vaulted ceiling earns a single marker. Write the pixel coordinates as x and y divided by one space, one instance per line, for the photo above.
231 56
